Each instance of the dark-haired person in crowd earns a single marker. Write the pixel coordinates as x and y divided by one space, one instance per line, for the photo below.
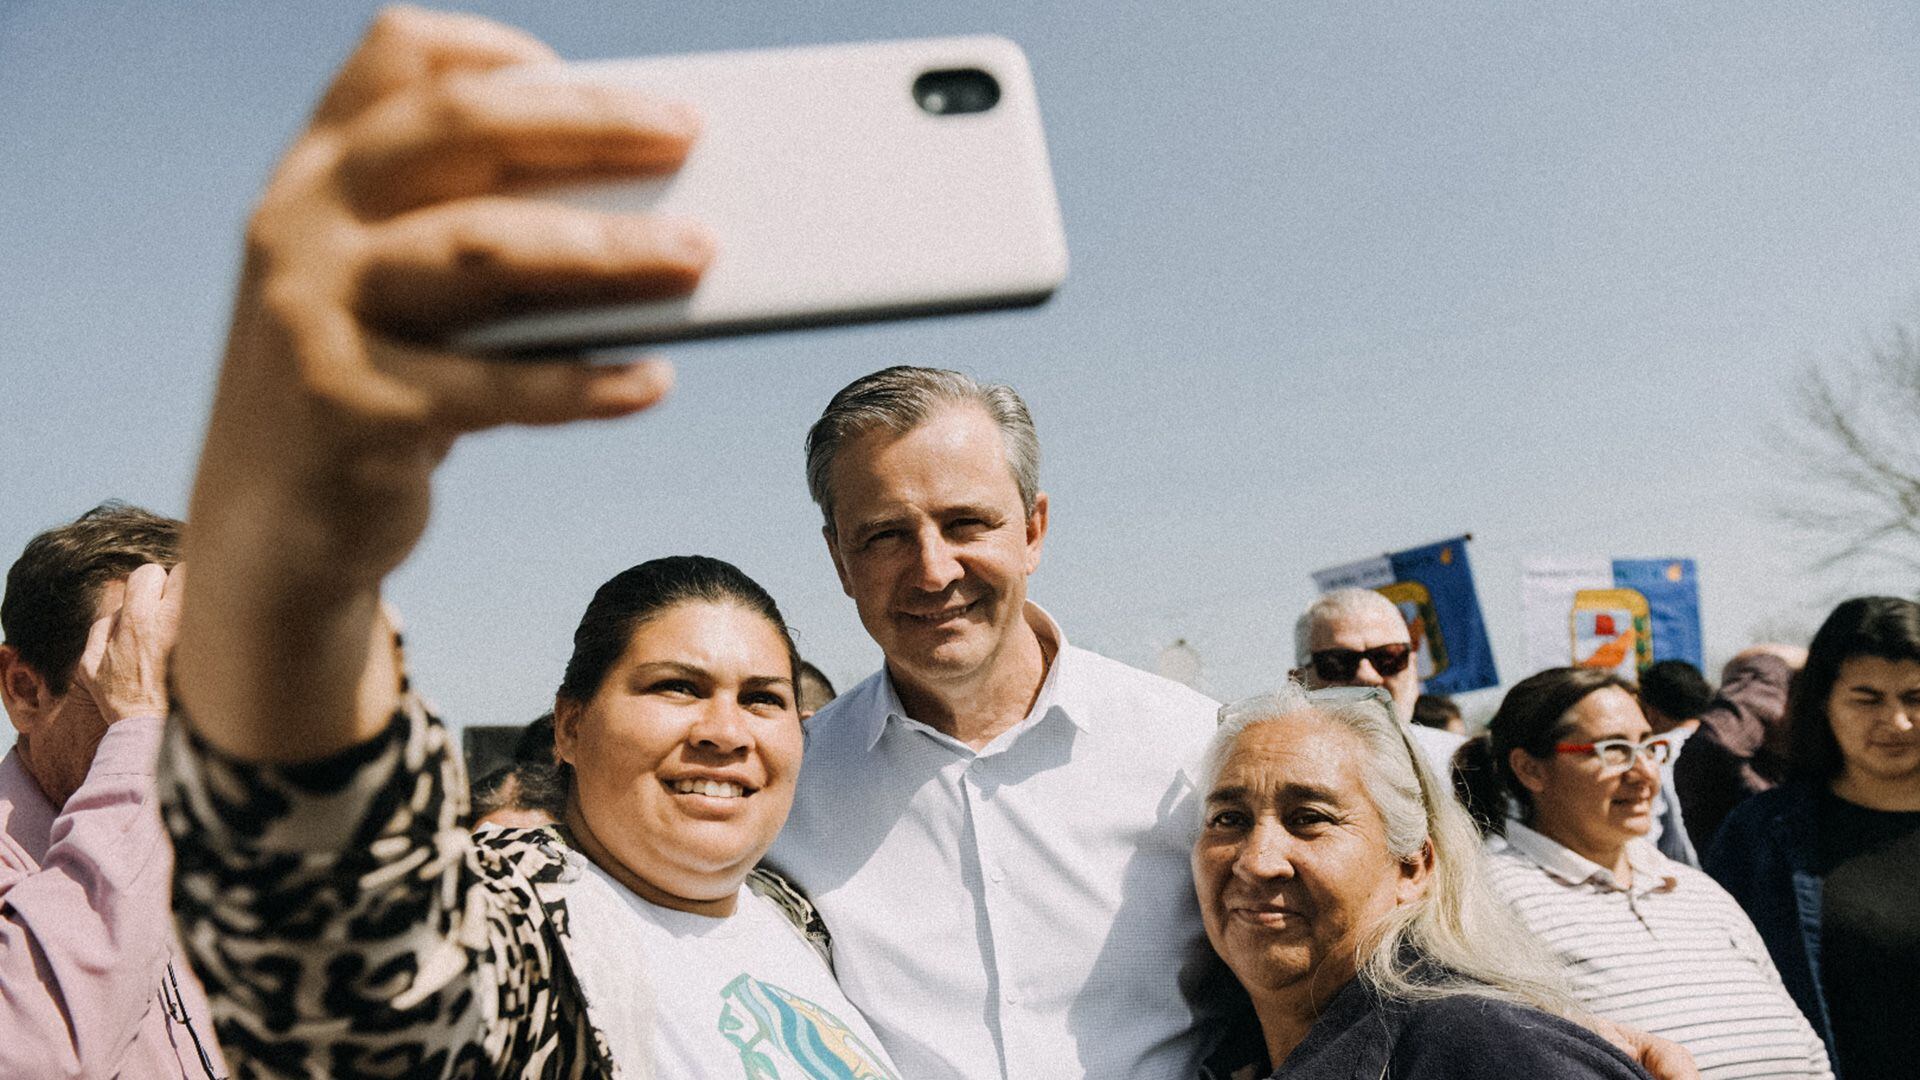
343 921
528 791
1673 694
523 795
1828 864
1346 889
535 744
1645 940
89 986
815 690
1740 746
1357 637
1440 712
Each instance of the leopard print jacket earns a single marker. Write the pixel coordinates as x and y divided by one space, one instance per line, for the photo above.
346 924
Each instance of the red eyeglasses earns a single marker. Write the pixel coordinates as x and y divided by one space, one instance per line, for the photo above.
1340 665
1617 754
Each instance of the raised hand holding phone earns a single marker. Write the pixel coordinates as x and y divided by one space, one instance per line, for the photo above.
398 216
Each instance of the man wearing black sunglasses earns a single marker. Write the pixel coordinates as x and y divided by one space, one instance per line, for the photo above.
1357 637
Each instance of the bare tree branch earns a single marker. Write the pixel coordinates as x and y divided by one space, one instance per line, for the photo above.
1854 447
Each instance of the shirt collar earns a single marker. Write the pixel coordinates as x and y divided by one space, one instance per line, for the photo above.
1572 868
1059 690
885 708
1652 871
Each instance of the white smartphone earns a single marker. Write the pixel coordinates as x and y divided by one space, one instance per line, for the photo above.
842 183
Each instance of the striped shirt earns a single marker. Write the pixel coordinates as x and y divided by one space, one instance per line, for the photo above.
1670 953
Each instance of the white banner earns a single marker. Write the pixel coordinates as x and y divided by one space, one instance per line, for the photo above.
1547 591
1373 573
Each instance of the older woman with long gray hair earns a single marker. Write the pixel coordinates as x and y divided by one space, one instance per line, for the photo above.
1345 889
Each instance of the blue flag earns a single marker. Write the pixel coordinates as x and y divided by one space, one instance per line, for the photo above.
1619 614
1673 600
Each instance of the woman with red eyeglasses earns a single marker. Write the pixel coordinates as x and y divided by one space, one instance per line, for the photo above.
1563 784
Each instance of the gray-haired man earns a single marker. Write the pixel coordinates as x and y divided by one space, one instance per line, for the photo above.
1357 637
996 826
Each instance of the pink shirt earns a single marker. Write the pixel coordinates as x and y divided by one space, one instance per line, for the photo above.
86 927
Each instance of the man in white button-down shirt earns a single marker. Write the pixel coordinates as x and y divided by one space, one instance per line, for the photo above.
997 825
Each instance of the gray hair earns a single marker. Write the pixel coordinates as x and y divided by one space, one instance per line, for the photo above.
1459 937
1331 606
901 399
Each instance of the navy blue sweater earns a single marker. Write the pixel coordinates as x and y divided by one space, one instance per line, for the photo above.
1462 1037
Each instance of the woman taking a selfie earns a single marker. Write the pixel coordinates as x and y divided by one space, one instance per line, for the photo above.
1644 940
326 886
1828 864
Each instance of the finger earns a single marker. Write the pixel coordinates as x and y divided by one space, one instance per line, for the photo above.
143 616
469 394
144 587
409 45
384 385
1670 1060
479 259
167 605
97 637
476 135
337 371
176 583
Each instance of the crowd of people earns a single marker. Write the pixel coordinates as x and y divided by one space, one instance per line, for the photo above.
236 841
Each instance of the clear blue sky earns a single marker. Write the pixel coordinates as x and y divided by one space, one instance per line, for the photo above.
1347 277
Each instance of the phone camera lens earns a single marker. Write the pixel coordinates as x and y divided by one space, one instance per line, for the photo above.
956 92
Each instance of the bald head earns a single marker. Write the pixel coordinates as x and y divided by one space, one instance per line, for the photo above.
1794 656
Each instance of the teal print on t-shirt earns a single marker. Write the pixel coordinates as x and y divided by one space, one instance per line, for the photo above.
783 1036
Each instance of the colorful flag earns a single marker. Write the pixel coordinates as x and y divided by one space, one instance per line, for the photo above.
1433 588
1622 614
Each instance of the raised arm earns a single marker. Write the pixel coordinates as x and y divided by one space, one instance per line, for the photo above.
392 220
341 921
84 935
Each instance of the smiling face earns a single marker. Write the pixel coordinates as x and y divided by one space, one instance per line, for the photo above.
685 758
934 546
1874 709
1292 868
1578 802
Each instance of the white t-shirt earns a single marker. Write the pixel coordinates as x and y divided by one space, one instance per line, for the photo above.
689 997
